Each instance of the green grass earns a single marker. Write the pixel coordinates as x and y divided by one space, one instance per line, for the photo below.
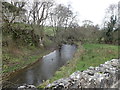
96 54
86 56
15 59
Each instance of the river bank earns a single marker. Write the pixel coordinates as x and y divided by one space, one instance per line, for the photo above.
86 56
21 59
43 69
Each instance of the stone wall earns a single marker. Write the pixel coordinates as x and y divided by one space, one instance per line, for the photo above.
104 76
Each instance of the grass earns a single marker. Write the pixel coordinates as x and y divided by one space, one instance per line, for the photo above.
96 54
18 58
86 56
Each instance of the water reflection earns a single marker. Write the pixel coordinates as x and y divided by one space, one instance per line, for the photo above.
46 67
29 77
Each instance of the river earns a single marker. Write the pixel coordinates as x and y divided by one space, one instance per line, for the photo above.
43 69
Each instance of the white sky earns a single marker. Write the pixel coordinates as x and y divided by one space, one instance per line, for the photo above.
93 10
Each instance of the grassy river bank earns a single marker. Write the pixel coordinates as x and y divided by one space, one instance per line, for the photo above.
18 58
86 56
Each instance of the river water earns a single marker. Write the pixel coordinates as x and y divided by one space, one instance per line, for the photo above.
45 68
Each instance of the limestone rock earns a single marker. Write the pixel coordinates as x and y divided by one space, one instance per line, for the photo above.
103 76
27 87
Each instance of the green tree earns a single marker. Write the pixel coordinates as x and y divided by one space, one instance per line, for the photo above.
110 28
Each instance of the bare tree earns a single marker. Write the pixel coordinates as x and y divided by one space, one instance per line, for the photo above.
110 23
39 14
87 23
62 17
11 10
111 11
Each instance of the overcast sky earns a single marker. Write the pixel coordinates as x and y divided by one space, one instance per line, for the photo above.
93 10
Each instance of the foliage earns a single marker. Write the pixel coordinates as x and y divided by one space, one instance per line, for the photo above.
111 28
27 37
9 6
110 33
70 35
